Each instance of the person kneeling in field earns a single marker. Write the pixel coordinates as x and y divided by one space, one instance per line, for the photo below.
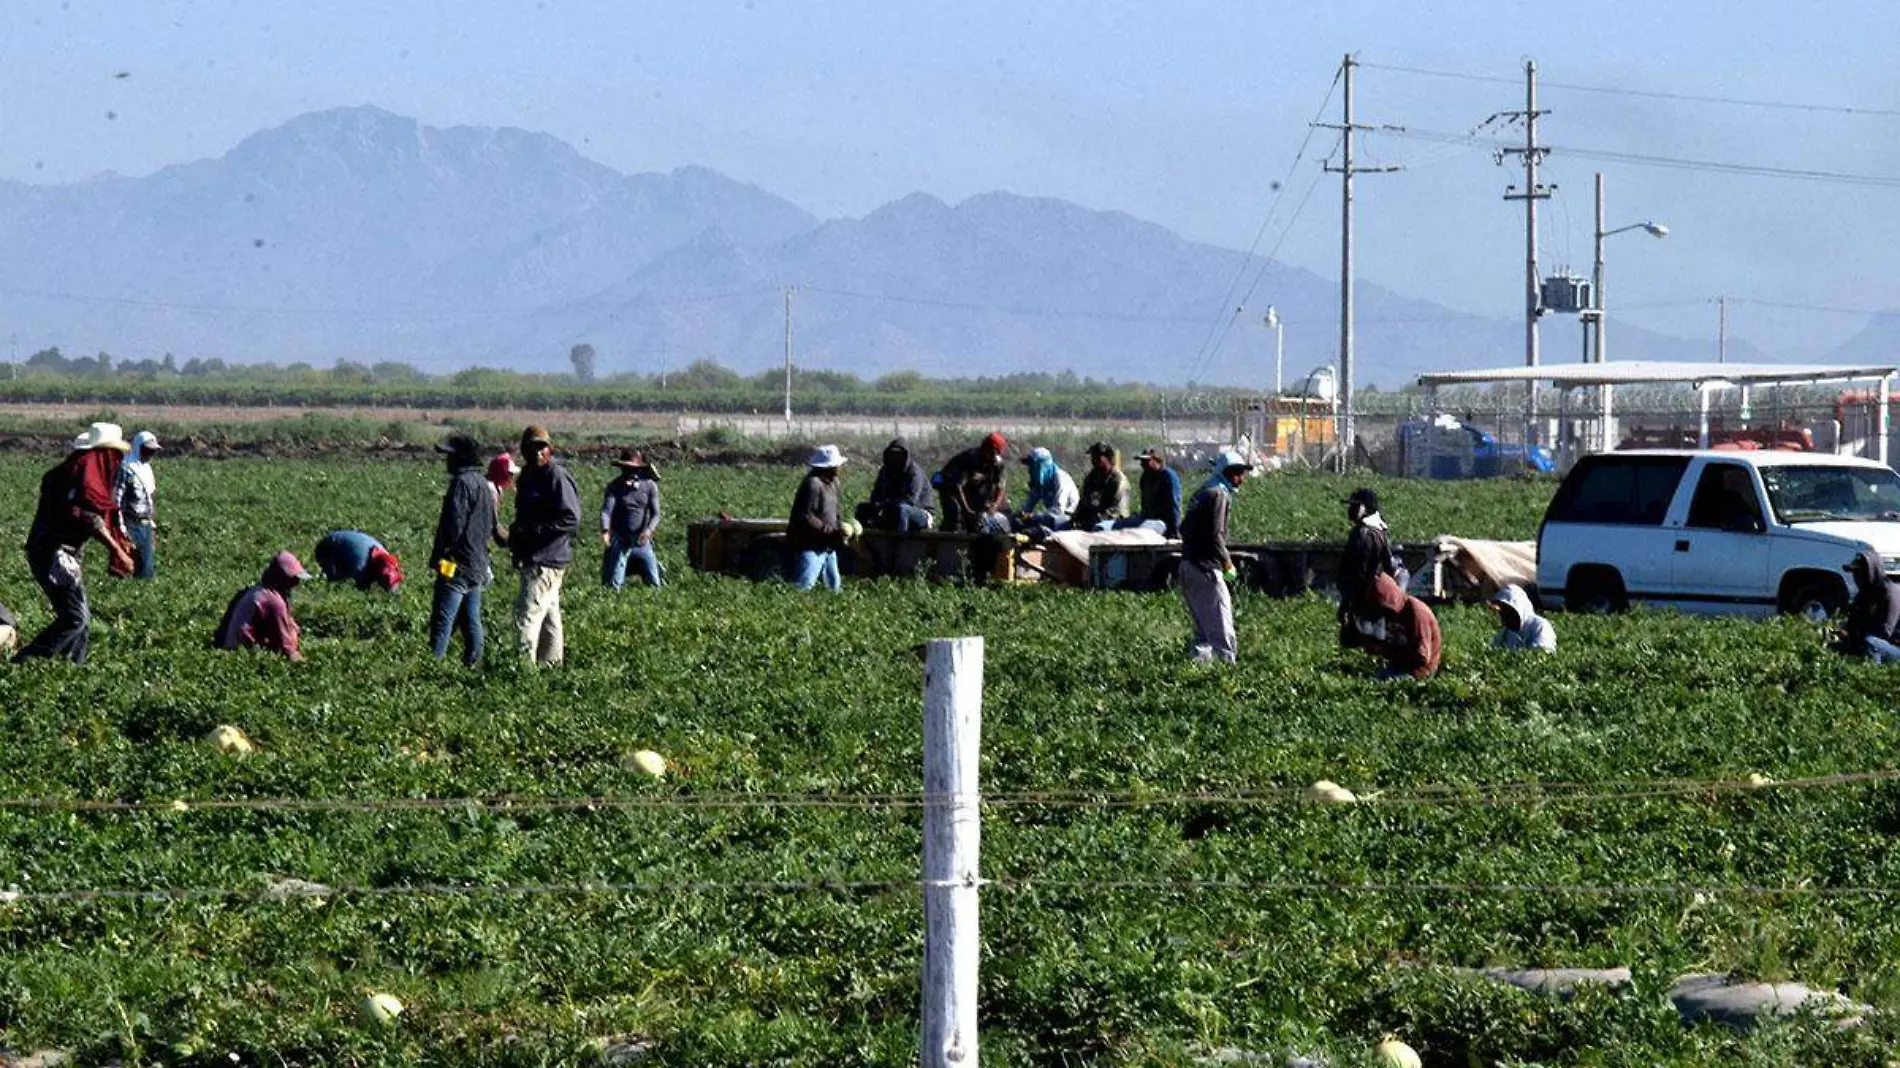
1411 643
353 556
1874 614
1520 625
259 616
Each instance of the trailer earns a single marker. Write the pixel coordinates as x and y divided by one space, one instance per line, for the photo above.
755 549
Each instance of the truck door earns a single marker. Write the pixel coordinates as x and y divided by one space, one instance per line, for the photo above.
1722 544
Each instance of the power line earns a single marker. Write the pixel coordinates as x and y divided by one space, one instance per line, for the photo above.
1442 794
1693 98
1649 160
1225 321
1006 309
360 313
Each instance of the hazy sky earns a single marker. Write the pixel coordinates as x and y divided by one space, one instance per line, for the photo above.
1182 113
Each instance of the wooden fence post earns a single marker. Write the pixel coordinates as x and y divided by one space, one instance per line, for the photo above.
953 729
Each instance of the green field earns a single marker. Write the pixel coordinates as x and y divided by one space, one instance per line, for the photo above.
758 690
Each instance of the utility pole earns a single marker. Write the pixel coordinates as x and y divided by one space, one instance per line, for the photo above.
1531 193
788 357
1346 169
1721 330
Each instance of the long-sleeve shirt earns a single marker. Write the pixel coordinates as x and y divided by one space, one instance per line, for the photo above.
1056 495
906 484
1204 528
1412 643
630 506
260 616
466 525
138 492
1368 554
977 486
1104 496
343 555
1161 499
547 514
813 525
78 497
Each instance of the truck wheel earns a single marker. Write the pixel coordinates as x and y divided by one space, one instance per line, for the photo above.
1595 591
1813 599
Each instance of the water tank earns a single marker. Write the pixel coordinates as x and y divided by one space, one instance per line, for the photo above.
1321 384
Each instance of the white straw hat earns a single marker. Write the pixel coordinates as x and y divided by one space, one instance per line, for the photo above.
827 456
102 436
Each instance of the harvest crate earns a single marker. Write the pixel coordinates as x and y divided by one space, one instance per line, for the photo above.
1281 569
755 549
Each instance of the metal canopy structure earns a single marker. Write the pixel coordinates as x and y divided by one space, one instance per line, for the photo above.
1651 372
1704 377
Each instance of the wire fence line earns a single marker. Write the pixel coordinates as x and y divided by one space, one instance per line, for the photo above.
314 892
1438 794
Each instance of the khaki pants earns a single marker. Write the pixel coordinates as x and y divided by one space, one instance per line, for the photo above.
538 614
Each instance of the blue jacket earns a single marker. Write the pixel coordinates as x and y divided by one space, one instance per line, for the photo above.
343 554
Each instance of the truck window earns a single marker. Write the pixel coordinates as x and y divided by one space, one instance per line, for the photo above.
1627 490
1806 494
1725 499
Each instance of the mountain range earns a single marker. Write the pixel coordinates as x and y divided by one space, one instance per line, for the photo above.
354 233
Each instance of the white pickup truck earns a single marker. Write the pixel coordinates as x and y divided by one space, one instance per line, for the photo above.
1747 533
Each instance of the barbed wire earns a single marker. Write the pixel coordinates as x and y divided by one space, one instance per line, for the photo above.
302 891
1435 794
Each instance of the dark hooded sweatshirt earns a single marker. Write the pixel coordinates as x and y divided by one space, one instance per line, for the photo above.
1412 644
901 481
1876 608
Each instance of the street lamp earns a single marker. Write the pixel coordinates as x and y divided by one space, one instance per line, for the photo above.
1653 229
1279 347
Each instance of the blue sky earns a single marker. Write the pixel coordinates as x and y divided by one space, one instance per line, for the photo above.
1181 113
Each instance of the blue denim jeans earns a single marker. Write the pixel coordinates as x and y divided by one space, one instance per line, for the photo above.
458 606
811 565
905 518
625 549
141 537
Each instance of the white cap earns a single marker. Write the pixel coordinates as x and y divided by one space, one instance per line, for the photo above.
1230 458
827 456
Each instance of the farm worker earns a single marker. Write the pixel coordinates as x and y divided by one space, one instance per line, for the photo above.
1411 645
1875 610
1520 627
1368 553
459 555
78 503
138 494
353 556
1052 495
1160 493
1104 490
259 616
9 630
975 500
541 539
814 533
900 495
970 488
629 514
1206 566
501 477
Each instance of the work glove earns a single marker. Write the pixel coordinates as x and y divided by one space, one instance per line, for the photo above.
1230 575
